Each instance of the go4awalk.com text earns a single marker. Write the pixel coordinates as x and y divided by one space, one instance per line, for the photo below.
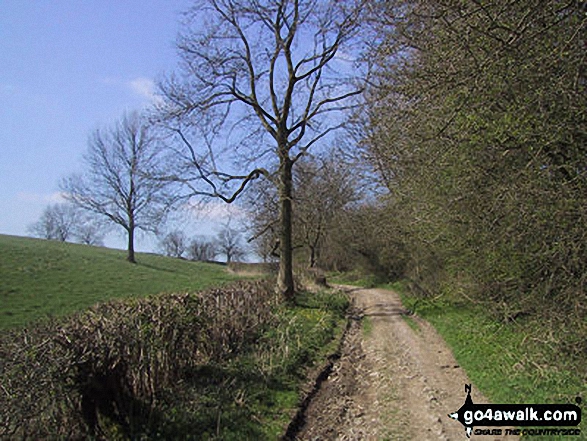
561 419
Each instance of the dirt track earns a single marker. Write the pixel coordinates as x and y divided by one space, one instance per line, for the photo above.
391 382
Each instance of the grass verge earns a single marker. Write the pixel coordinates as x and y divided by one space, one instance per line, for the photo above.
255 395
514 362
411 323
40 278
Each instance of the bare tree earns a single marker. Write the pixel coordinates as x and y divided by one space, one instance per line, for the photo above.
89 229
201 249
117 184
57 222
323 188
263 223
229 243
66 222
262 82
174 244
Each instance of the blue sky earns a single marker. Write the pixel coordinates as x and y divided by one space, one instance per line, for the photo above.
68 67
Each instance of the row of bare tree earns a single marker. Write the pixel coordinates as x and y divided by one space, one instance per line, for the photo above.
228 243
66 222
260 84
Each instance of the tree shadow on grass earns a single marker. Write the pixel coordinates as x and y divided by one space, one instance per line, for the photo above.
212 403
153 267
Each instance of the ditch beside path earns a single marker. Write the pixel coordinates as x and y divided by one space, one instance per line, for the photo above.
392 381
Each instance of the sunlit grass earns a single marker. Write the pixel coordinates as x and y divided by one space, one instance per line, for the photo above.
40 278
509 362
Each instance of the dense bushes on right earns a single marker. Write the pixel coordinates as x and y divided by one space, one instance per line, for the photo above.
477 132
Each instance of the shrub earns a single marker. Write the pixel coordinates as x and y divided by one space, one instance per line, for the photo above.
104 369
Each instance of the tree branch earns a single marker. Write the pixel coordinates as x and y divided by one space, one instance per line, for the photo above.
225 177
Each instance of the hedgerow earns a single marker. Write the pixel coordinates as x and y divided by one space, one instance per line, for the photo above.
106 368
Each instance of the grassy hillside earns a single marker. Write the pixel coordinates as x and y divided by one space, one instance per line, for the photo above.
40 278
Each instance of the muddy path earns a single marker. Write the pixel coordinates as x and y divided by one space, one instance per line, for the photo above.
392 381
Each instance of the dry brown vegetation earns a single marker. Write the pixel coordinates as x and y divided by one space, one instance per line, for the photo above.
108 366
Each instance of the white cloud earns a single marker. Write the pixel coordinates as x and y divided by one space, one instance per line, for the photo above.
215 211
47 198
344 57
145 88
141 87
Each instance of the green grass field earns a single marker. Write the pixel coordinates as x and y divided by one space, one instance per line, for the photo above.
40 278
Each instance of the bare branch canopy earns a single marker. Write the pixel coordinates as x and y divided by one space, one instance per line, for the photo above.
260 83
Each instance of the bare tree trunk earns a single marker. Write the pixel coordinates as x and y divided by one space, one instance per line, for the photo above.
285 282
131 244
312 257
314 246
